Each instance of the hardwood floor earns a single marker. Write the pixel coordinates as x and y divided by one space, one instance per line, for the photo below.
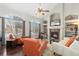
17 51
2 50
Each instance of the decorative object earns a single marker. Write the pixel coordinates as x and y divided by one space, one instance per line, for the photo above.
71 17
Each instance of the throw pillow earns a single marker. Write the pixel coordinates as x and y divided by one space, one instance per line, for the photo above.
70 41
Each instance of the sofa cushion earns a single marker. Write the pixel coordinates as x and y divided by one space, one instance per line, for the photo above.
70 41
33 47
43 42
33 42
75 45
38 43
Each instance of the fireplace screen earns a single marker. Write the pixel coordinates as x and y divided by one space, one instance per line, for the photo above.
54 35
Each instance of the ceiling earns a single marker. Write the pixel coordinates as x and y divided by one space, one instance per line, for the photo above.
25 8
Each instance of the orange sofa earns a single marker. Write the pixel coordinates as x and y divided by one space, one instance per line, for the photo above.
34 47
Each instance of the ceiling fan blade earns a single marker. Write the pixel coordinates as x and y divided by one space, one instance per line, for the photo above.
39 9
45 10
42 10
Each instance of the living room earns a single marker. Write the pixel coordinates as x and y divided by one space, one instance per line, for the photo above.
39 29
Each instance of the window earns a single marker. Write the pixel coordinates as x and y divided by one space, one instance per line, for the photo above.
14 26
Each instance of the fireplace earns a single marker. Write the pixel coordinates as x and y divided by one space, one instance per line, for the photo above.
54 35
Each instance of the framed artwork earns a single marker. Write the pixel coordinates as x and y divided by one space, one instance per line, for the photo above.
55 19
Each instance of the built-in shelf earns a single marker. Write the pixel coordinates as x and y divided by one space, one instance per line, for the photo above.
45 24
72 21
55 27
71 27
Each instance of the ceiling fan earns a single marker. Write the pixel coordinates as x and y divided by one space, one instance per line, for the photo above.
42 10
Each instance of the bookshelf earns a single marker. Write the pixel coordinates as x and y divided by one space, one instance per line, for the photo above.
71 27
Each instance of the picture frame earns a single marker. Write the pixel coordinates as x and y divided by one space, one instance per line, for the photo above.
55 19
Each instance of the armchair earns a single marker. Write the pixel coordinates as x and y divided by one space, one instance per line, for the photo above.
33 47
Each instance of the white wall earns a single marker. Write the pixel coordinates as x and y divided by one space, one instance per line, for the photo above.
71 8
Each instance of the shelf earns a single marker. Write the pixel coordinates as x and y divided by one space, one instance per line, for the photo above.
55 27
45 24
72 21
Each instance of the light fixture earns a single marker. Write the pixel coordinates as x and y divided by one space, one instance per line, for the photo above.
41 11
